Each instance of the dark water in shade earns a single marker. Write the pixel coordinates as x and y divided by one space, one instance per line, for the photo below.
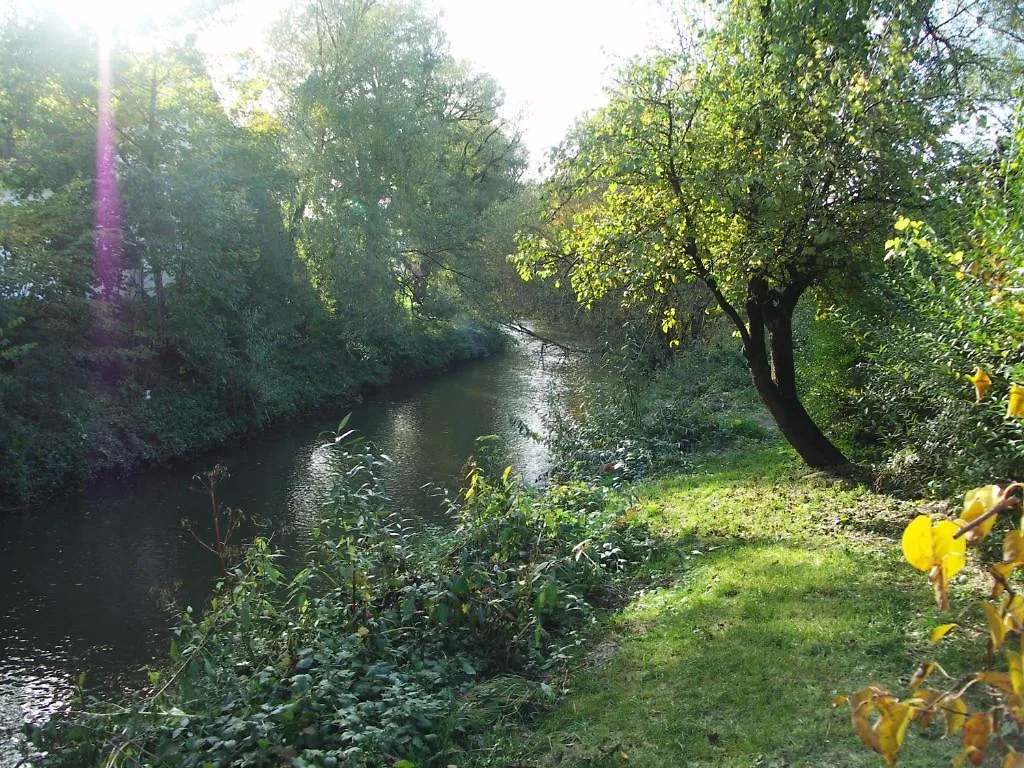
85 581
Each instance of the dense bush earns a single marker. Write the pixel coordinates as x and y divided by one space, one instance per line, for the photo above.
68 427
890 374
225 286
379 645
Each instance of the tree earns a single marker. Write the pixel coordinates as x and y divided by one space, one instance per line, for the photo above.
770 159
204 308
400 153
202 201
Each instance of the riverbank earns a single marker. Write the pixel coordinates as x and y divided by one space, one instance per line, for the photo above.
703 618
112 431
776 589
91 584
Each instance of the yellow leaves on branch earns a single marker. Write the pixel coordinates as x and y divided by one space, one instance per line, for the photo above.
977 503
981 381
955 712
880 721
937 551
1008 618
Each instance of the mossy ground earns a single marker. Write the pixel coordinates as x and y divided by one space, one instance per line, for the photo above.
779 590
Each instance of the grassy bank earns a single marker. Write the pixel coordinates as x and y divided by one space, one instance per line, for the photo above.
780 589
171 412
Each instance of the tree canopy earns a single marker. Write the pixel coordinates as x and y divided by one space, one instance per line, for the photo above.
271 254
397 144
769 157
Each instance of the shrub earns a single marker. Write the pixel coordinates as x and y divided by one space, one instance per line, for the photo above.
633 423
370 651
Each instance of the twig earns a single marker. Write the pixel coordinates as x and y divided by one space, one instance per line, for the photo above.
1006 501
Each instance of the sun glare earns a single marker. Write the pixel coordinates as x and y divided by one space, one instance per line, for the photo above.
128 22
108 218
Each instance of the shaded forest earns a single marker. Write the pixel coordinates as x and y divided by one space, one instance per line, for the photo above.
181 263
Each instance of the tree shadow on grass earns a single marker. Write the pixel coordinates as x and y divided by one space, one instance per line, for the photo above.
737 664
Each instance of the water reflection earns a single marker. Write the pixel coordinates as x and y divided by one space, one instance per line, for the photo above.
90 578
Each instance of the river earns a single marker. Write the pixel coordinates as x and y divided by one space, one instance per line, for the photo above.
94 580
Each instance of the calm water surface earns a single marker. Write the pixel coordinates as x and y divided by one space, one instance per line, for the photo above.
89 580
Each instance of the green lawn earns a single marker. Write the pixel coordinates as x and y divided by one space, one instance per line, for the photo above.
781 589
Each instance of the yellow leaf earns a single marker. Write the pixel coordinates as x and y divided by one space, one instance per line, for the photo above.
839 701
880 721
1001 573
998 680
926 700
917 543
1013 612
926 546
1015 407
936 550
892 727
976 503
1015 670
901 224
1014 760
861 709
955 713
996 628
977 731
1013 547
981 382
940 632
922 673
951 552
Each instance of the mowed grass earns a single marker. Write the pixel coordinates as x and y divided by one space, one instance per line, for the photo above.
780 590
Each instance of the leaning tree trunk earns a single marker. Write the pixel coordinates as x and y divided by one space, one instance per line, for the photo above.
793 421
767 334
768 347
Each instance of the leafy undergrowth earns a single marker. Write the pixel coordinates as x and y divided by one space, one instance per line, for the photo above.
383 645
783 589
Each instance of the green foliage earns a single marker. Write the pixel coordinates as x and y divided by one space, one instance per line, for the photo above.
629 422
399 146
945 307
773 587
217 321
373 645
762 160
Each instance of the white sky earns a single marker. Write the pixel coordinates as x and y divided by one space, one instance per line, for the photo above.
551 57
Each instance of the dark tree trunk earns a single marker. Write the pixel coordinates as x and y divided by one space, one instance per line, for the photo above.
768 347
793 421
767 334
